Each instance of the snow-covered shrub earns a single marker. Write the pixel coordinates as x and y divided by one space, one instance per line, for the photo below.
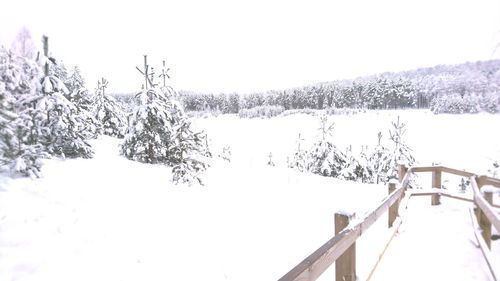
261 111
225 154
342 111
159 132
380 162
188 154
75 80
324 158
308 111
369 166
494 170
490 102
299 159
38 119
270 161
203 114
456 104
108 112
357 167
400 151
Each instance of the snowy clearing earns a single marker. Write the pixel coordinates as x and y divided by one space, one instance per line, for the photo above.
109 218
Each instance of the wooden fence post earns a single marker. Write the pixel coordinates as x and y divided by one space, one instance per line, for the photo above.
402 170
436 183
345 265
484 223
393 210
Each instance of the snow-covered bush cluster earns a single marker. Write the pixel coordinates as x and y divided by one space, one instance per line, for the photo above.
46 111
37 118
458 104
371 165
261 111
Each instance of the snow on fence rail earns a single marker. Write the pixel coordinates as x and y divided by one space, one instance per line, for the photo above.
341 248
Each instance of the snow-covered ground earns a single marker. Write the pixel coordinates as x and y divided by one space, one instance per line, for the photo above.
109 218
435 243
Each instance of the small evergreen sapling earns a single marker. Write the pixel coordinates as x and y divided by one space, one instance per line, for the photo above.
108 112
402 153
270 161
299 158
324 157
380 161
225 154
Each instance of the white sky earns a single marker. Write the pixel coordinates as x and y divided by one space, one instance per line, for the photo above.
245 46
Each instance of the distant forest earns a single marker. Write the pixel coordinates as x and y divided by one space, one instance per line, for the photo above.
463 88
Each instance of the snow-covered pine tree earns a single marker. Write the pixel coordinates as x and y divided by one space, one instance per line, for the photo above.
402 153
356 167
75 80
108 112
325 158
57 125
18 82
83 101
380 162
159 132
299 158
188 153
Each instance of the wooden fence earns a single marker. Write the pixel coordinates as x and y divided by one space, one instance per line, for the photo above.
341 248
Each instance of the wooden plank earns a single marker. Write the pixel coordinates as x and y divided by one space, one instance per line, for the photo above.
381 209
457 172
485 180
493 264
442 169
425 169
443 193
402 170
316 263
424 192
450 195
485 207
345 265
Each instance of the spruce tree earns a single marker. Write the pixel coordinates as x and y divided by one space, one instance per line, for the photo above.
59 128
108 112
158 132
18 84
83 101
324 157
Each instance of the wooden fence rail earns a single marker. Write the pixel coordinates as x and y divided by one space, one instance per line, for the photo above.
343 243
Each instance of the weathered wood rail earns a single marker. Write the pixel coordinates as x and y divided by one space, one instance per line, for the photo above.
341 248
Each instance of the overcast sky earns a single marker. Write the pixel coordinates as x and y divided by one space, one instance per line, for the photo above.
245 46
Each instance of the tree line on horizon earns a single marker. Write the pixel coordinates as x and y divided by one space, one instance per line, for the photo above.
461 88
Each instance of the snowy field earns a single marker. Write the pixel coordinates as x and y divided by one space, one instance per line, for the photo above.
109 218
